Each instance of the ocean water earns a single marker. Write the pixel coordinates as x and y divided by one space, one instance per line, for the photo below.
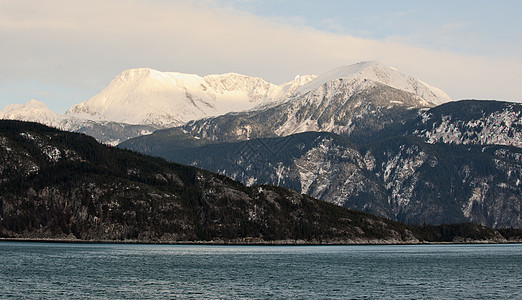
120 271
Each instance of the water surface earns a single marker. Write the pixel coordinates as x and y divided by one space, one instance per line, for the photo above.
115 271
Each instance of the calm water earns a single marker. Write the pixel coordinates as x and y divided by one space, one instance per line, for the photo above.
38 270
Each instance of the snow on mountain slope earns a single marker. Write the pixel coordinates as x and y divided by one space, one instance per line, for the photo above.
380 73
139 101
479 122
147 96
106 132
342 100
401 178
349 105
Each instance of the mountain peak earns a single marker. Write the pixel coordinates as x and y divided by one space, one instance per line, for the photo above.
137 72
150 76
361 67
35 103
380 73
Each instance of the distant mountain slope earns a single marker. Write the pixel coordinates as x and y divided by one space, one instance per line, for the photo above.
471 122
106 132
32 111
139 101
401 178
444 183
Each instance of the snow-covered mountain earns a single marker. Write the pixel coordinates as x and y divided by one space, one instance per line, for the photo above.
139 101
378 72
353 101
343 101
166 99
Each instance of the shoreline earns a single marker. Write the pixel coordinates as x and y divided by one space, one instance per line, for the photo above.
255 243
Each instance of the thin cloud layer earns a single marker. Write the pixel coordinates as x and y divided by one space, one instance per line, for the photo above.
82 45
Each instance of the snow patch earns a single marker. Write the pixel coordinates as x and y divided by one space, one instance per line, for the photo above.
251 181
478 196
500 128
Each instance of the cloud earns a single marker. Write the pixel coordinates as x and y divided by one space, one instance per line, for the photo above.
83 44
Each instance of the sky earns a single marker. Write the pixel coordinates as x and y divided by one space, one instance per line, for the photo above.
62 52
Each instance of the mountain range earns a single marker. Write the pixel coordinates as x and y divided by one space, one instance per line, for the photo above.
364 136
139 101
387 151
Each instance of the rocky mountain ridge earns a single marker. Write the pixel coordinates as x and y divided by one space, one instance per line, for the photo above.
358 113
354 101
377 72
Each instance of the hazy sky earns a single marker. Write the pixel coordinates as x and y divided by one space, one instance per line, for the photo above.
63 52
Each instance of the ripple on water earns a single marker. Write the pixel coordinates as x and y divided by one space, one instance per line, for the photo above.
36 270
